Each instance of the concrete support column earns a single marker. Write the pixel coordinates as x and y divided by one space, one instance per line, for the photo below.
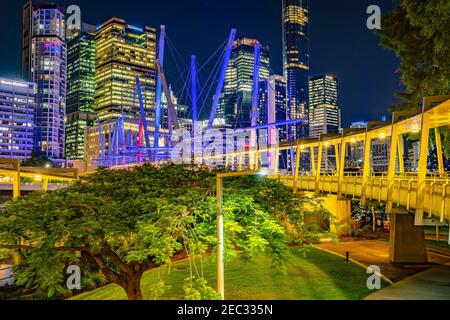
342 210
407 241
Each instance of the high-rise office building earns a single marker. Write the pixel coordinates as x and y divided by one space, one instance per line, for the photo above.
412 157
273 109
380 154
17 103
324 111
44 62
355 150
123 52
273 106
80 89
296 63
236 104
27 38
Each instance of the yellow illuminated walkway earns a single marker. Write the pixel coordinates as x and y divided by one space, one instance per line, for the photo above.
12 169
424 192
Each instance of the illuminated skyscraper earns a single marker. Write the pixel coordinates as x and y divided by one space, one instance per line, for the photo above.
17 103
124 51
296 63
273 109
80 89
273 105
236 104
44 59
324 111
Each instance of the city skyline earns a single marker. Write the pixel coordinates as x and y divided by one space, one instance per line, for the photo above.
349 63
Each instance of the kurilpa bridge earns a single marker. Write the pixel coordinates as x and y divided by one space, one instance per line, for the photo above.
413 199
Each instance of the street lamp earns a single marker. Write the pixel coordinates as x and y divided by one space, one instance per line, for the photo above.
220 224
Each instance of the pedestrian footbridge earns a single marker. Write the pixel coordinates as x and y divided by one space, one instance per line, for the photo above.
425 192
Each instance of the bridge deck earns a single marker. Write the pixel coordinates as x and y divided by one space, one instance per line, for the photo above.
436 200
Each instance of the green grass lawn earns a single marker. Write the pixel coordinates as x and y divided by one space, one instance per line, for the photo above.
319 276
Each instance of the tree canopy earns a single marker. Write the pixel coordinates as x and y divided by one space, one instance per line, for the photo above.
128 221
37 160
417 32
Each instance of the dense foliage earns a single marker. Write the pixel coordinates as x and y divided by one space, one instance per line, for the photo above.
418 32
37 160
125 222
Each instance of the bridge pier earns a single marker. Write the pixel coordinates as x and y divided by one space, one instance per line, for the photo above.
342 210
407 241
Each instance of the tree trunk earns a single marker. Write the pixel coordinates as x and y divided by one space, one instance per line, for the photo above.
132 286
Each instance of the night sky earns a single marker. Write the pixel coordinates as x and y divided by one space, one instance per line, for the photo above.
340 43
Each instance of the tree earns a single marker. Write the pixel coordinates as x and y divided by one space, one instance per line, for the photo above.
130 221
418 33
37 160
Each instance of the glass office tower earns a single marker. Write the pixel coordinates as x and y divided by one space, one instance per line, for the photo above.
80 89
17 103
44 62
236 104
296 63
122 52
324 111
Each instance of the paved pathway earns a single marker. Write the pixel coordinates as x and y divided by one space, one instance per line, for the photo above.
433 284
373 252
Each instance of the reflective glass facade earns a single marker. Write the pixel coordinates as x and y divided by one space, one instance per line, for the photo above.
80 90
273 104
122 52
235 105
296 63
17 103
44 63
324 111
